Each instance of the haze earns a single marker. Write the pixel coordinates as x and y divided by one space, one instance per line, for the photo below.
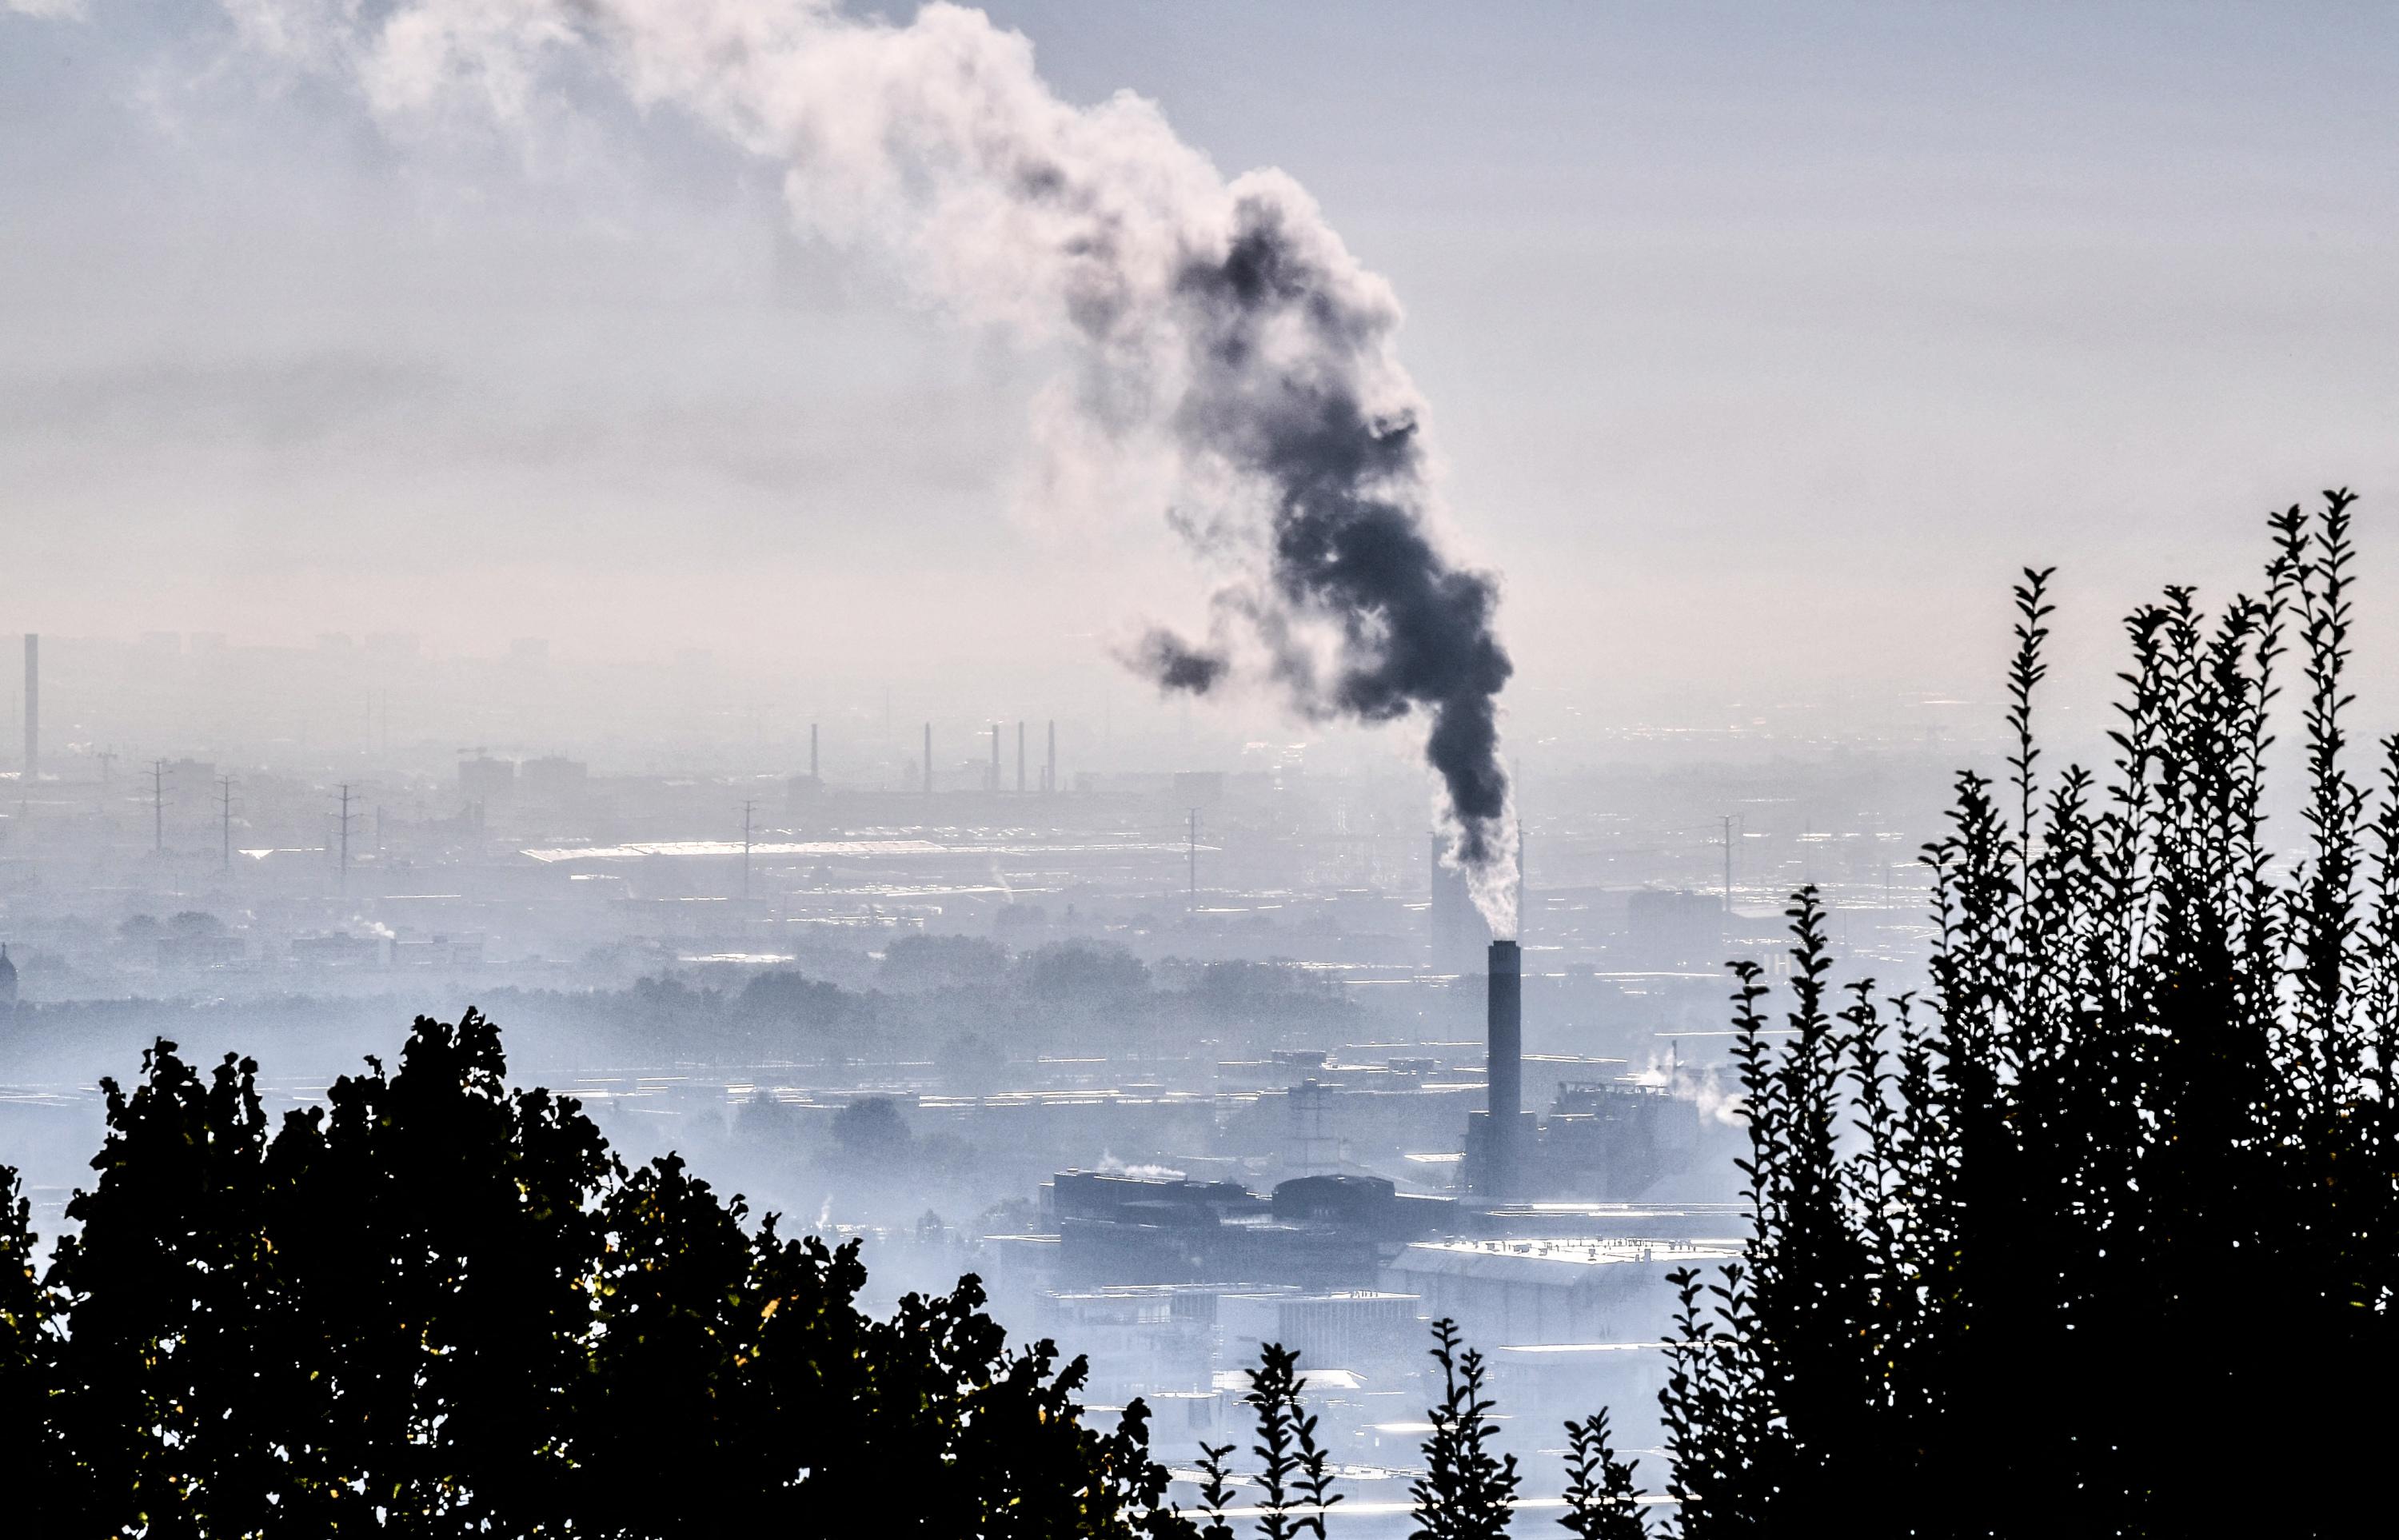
1716 310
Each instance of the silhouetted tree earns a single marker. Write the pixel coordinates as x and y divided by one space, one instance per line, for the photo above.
1216 1490
1467 1492
1295 1475
437 1307
1273 1401
2079 1240
1602 1496
28 1348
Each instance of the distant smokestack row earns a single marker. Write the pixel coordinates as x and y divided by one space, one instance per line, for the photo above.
32 709
994 776
1504 1065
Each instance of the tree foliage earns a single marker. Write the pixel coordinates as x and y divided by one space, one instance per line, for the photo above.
2098 1235
1602 1495
1295 1473
1468 1492
437 1307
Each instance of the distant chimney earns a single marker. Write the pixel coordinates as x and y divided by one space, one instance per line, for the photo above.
1020 756
1049 773
1504 1067
32 709
928 759
812 751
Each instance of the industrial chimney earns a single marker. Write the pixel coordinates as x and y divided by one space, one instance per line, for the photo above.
32 709
1504 1069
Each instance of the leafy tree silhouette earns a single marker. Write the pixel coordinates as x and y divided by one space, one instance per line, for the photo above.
28 1347
1467 1492
1295 1474
1273 1399
436 1307
2053 1249
1601 1492
1216 1490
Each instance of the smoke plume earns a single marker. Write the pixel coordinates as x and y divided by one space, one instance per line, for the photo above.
1219 326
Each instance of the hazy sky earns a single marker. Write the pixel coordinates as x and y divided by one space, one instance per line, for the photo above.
1763 344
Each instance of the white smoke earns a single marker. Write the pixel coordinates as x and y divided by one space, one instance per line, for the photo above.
1228 348
1703 1087
1110 1166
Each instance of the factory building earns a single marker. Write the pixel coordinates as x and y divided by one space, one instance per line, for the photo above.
1604 1141
1349 1326
1558 1290
1328 1231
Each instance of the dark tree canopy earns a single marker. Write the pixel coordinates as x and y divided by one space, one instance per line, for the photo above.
2102 1235
437 1307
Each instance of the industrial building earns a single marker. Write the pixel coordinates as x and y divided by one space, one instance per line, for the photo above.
1604 1139
1547 1290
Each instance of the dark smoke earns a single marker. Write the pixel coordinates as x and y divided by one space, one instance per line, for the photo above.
1281 346
1176 664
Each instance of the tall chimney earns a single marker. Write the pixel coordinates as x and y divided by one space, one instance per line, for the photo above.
1504 1067
1049 775
812 751
995 759
32 709
1020 756
928 759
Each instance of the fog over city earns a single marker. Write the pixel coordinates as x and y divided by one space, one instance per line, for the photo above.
1154 652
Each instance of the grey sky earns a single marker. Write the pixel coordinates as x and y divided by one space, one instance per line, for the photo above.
1739 326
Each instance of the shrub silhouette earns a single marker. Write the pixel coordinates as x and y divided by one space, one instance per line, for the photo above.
1466 1491
2066 1245
1601 1491
436 1307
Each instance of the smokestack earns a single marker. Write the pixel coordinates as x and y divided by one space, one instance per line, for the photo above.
1049 774
812 751
994 758
928 759
1504 1067
32 709
1020 756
